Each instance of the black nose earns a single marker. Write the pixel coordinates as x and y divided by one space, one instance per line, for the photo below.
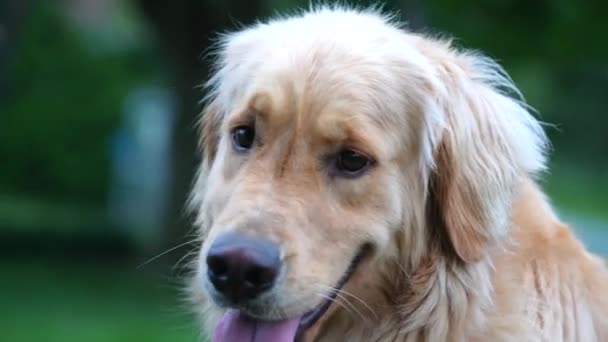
242 267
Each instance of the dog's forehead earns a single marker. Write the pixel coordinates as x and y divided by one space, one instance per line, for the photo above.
330 81
298 59
325 103
329 117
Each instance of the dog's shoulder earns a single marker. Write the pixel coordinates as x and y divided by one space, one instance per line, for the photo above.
547 279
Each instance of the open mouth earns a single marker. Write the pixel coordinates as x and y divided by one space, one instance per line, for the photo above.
237 327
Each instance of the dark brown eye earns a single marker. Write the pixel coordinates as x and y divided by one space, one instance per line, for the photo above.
243 137
351 163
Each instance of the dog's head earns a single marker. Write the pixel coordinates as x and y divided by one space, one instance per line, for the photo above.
334 141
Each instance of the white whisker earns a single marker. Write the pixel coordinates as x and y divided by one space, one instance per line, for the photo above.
341 294
351 305
322 295
166 252
177 264
340 291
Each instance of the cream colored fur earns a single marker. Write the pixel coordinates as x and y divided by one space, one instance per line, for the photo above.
467 247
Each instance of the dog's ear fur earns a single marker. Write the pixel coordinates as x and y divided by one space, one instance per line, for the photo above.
209 136
487 142
210 123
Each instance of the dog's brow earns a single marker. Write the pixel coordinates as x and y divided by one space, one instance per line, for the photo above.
241 117
261 103
269 107
332 127
346 130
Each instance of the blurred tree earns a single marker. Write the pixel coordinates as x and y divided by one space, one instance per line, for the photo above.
11 15
185 30
59 112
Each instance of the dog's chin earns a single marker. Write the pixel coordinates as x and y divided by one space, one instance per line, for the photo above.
261 321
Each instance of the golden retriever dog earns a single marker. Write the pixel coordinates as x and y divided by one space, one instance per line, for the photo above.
361 182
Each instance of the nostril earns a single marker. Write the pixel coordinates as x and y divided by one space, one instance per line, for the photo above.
261 278
218 265
241 267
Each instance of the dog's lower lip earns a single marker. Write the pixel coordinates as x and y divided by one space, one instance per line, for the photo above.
311 317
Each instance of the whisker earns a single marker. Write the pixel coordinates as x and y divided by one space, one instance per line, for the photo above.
360 300
340 293
324 296
351 305
177 264
166 252
400 265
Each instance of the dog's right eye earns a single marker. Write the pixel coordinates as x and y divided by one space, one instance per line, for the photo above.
243 137
350 163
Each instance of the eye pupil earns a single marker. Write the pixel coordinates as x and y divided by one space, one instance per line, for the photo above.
351 162
243 137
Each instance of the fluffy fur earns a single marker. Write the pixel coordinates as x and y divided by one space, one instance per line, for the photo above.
466 246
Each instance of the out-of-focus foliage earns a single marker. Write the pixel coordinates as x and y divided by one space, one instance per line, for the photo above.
556 51
62 105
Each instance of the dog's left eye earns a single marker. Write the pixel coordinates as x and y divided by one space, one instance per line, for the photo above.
243 137
351 163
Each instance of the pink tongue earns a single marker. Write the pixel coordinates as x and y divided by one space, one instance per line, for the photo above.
234 327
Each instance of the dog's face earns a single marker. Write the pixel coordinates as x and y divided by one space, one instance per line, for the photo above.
310 163
329 139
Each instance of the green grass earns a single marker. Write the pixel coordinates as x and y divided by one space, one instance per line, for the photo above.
46 302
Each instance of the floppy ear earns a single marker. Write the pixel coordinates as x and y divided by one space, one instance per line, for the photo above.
488 142
209 136
210 132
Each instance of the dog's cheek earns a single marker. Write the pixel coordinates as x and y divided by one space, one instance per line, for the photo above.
316 264
385 212
217 203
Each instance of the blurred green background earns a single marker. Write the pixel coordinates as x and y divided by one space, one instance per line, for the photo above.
98 100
